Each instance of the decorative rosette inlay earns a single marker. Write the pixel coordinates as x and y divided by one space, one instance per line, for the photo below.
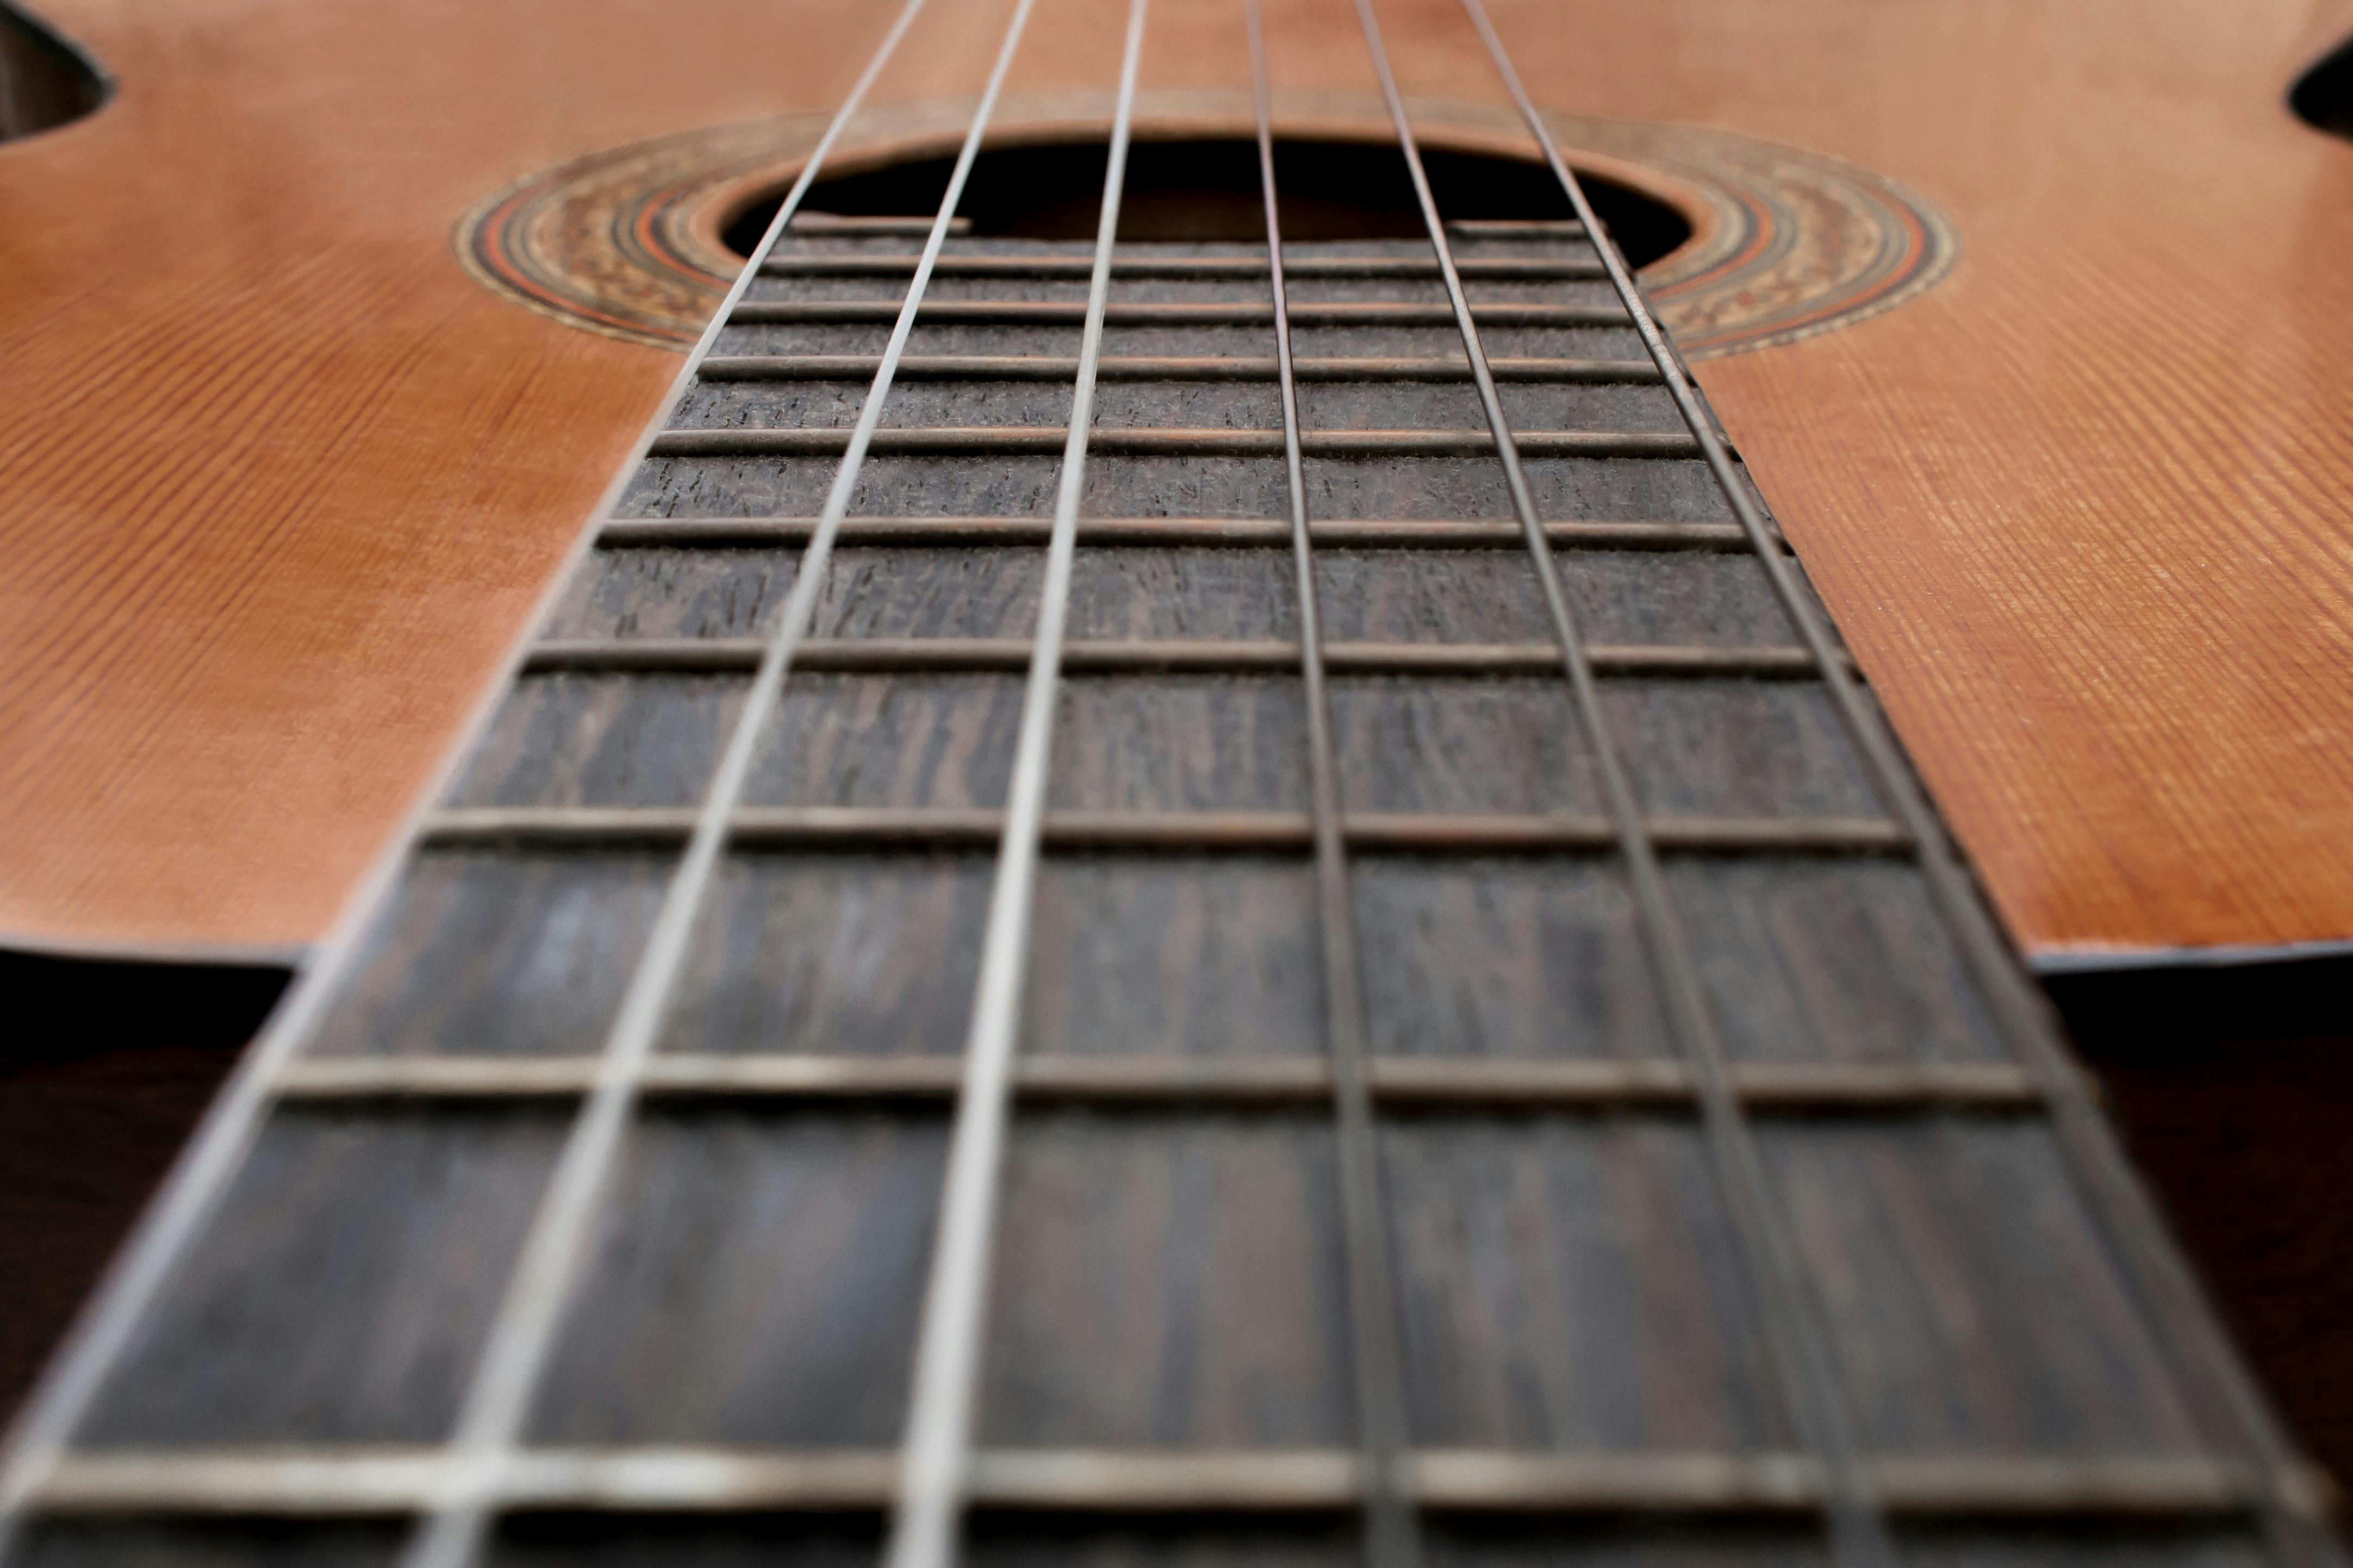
1785 243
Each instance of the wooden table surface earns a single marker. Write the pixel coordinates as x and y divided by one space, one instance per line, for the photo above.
279 484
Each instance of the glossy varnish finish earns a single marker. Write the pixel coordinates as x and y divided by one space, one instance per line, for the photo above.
278 483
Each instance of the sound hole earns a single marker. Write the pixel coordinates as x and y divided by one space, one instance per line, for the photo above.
2323 96
1209 191
44 81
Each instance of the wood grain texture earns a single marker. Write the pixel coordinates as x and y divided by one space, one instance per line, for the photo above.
2080 511
278 484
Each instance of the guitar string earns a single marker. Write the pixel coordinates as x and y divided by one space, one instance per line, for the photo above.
1392 1528
2120 1206
1793 1339
213 1155
522 1335
936 1451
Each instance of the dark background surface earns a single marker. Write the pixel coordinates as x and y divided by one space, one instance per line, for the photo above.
104 1079
2234 1087
2235 1090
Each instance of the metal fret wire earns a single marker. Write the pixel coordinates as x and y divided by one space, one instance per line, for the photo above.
1858 1528
720 1483
2119 1205
201 1176
1354 533
1163 1079
1171 367
1392 1528
712 1484
936 1451
516 1348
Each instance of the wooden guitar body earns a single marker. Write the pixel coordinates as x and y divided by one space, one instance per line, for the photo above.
281 482
1188 866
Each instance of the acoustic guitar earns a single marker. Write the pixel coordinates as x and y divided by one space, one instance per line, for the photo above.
1183 870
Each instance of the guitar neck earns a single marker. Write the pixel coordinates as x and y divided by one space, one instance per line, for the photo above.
1327 970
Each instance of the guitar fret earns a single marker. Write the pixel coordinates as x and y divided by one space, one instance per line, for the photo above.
990 441
1171 367
1429 833
1220 313
1515 269
330 1483
912 654
622 533
1786 1087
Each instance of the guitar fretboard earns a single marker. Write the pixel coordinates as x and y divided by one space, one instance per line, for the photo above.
1490 1059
